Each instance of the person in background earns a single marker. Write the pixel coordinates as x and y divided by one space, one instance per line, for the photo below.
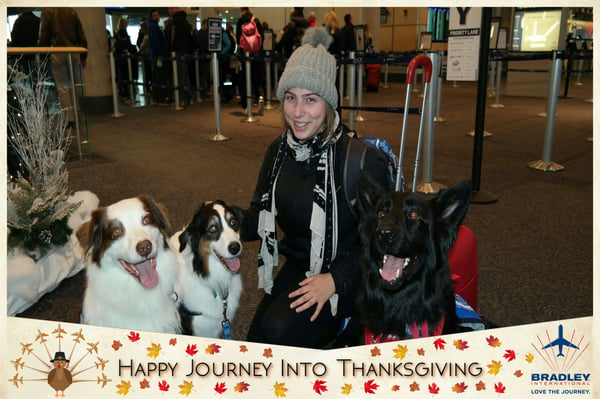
291 38
61 27
25 33
125 53
179 41
312 19
201 39
143 43
333 27
348 39
159 53
299 191
255 66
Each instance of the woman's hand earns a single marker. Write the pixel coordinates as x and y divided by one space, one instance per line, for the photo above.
315 290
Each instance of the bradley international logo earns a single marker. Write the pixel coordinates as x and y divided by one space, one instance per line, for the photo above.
560 350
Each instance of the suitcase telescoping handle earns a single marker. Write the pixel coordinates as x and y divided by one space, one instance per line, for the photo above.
420 60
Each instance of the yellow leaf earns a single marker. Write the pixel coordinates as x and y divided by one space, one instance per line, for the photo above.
153 350
280 389
186 388
346 389
494 367
400 352
529 358
123 387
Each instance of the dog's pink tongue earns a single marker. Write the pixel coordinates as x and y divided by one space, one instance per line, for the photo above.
147 273
233 264
392 268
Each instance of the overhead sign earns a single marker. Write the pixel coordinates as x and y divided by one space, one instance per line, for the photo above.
463 43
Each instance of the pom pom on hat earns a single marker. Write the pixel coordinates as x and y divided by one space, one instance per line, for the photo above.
311 67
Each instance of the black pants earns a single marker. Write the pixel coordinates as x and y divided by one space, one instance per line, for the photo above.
275 323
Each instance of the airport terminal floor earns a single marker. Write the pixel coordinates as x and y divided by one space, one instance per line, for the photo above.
535 243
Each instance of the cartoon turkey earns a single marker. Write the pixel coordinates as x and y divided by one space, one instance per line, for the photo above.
60 377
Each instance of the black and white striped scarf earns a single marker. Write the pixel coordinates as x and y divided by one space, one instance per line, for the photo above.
324 235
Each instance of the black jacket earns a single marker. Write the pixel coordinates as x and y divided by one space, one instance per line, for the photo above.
294 199
179 34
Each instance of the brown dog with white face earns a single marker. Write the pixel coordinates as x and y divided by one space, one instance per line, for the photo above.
131 269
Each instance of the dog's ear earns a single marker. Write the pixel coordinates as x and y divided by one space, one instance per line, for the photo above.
89 234
369 192
451 208
184 238
158 211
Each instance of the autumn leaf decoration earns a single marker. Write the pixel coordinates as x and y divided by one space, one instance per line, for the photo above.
459 387
268 353
480 386
186 388
439 344
493 341
241 387
414 386
163 386
400 352
375 352
499 388
433 388
117 345
212 349
460 344
144 384
319 386
123 388
529 358
280 389
510 355
133 336
173 341
346 389
220 388
153 350
191 349
371 386
494 367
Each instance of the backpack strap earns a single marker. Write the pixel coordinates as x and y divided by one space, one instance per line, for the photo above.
353 164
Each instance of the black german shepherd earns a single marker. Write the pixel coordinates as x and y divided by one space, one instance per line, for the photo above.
407 289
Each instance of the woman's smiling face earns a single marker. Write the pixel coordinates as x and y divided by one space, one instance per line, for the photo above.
304 111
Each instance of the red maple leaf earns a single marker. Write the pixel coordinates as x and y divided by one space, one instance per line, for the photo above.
395 388
510 355
499 388
220 387
480 386
133 336
414 386
243 348
433 388
212 349
163 386
191 350
268 353
421 352
173 341
117 345
439 344
319 386
144 384
370 386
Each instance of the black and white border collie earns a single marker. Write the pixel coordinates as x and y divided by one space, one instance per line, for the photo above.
131 269
209 284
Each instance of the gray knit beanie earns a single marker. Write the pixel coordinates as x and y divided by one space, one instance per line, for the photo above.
311 67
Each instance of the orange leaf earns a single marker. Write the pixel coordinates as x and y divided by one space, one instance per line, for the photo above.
144 384
268 353
518 373
173 341
414 386
395 388
375 352
241 387
280 389
117 345
346 389
459 388
319 386
493 341
480 386
212 349
186 388
494 367
460 344
421 352
243 348
123 387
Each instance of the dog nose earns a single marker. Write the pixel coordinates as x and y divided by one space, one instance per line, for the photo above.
144 248
235 248
386 235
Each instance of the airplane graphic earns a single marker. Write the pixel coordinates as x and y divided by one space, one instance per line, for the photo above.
560 342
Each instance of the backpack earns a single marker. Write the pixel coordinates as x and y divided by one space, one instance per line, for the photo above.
227 46
354 163
250 41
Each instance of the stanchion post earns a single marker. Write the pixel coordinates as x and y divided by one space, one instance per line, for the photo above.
385 76
248 98
580 72
359 90
115 96
178 106
130 76
268 104
544 113
197 72
498 79
438 94
217 99
492 76
427 185
351 88
74 105
341 84
545 164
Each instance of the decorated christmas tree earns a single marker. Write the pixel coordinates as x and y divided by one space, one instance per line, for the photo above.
37 208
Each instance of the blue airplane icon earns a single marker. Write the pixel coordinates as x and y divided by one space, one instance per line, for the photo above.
560 342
